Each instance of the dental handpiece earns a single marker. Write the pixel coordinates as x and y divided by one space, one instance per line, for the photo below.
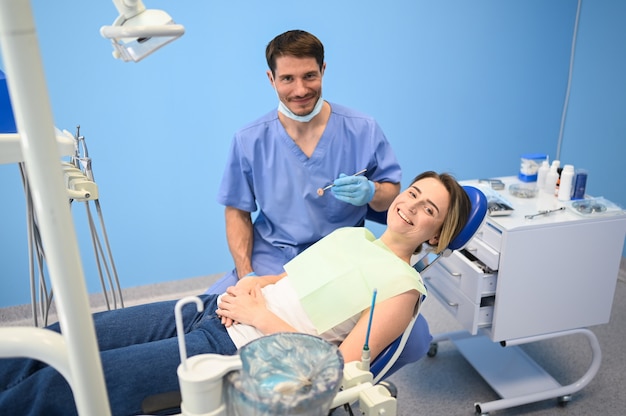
320 191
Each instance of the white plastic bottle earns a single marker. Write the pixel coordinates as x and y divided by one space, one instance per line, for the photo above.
541 174
551 177
567 181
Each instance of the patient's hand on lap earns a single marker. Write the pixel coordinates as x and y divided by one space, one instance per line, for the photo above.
247 283
240 305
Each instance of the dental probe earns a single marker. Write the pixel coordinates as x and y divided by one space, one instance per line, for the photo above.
320 191
365 354
531 216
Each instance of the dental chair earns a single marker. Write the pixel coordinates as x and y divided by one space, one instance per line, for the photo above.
412 345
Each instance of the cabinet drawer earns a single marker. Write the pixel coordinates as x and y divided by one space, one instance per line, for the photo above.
491 235
484 252
465 275
470 315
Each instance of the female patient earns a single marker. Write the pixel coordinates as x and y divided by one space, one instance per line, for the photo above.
139 348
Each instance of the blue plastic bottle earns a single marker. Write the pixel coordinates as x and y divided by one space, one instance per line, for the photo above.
580 184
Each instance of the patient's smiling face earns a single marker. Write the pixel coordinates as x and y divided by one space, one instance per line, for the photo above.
419 211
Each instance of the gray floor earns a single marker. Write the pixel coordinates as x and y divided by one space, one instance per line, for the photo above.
446 384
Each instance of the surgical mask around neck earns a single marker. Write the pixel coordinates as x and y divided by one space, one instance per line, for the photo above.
303 119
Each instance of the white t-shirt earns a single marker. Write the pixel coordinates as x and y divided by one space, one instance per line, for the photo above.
282 299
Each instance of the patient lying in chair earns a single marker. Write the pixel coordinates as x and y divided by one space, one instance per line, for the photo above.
326 291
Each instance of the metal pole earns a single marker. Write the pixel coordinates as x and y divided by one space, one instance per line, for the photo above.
33 115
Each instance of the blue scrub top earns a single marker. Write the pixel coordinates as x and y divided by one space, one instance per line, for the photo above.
267 170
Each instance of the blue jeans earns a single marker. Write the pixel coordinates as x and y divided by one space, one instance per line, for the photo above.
139 353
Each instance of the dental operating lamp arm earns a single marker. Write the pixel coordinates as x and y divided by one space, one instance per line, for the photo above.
129 8
137 31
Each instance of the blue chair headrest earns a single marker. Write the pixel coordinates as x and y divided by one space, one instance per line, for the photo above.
474 221
7 122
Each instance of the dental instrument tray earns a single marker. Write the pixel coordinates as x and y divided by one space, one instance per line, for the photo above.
498 208
594 207
497 205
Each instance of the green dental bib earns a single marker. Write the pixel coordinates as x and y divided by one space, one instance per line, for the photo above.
335 278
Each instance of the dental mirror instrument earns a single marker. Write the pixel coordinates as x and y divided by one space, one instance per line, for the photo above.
365 354
320 191
531 216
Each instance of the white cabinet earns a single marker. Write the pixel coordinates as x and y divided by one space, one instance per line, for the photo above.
520 280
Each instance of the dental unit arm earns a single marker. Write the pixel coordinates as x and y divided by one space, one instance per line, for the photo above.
75 354
137 31
34 121
203 381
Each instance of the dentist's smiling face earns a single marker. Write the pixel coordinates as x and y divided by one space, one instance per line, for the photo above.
419 211
298 83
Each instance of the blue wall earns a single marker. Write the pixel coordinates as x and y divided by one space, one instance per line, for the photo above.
461 86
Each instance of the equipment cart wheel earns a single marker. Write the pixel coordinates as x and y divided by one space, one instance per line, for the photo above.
432 351
479 411
564 400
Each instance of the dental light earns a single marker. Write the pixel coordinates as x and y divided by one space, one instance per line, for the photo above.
137 31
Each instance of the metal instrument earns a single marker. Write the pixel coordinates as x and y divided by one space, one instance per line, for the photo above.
544 212
320 191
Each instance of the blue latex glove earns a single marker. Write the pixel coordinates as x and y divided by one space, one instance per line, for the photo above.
355 190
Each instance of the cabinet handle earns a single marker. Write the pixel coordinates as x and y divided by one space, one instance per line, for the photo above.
449 302
450 272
